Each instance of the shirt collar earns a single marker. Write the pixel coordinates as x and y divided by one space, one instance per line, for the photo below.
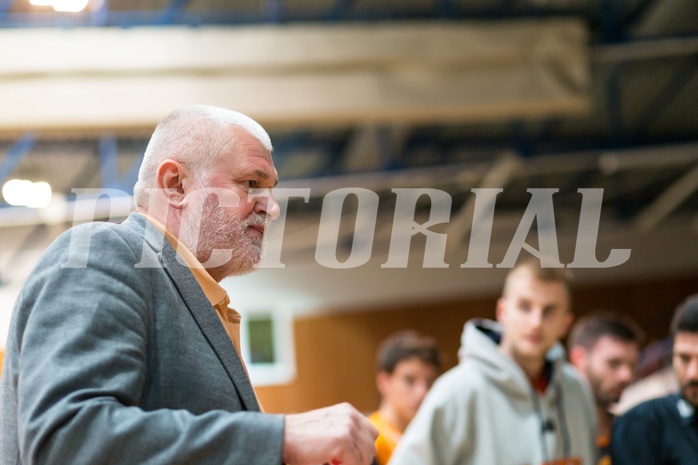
686 411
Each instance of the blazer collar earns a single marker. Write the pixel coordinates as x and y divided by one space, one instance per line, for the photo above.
199 306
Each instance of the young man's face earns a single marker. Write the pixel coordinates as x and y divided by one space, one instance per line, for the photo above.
534 314
404 390
686 364
610 367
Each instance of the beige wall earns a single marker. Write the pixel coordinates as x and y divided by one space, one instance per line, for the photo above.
335 353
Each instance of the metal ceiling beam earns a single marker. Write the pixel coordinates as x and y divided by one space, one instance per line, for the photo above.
639 10
668 201
108 169
682 75
637 50
14 156
503 169
173 11
5 6
644 50
100 16
275 11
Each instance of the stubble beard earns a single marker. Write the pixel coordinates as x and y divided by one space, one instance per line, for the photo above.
218 236
689 389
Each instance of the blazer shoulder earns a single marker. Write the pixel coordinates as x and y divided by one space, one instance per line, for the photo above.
85 243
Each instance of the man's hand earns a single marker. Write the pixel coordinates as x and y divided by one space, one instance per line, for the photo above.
338 434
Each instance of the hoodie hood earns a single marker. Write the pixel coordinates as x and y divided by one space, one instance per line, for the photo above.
480 345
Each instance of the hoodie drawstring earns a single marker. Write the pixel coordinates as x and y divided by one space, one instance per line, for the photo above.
546 425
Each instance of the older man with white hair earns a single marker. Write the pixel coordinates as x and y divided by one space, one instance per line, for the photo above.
122 347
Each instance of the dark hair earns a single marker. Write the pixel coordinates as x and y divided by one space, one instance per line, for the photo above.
686 316
405 345
590 328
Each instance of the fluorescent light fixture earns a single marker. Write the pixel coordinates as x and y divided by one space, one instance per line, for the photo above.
69 6
20 192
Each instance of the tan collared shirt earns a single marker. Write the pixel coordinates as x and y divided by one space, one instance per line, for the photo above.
230 318
215 294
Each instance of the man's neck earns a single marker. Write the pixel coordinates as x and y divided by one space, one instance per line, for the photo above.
533 368
605 419
393 418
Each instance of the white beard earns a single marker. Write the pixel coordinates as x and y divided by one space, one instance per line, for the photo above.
222 241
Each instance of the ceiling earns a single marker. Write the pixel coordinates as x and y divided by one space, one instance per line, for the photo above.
594 100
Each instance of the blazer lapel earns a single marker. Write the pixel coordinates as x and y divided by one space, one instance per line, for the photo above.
202 311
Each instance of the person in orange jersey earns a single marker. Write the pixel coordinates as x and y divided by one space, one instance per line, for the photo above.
408 363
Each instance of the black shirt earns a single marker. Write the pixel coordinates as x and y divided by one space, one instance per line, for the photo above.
657 432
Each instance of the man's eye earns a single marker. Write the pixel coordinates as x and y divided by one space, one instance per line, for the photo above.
251 184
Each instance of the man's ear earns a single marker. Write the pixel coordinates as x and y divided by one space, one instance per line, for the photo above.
501 309
173 182
578 358
382 382
569 318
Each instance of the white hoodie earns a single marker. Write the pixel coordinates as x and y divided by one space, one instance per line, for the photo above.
486 412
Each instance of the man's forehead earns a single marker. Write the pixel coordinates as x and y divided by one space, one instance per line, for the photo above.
686 341
256 162
612 345
523 284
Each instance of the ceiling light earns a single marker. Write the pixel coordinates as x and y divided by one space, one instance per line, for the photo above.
70 6
20 192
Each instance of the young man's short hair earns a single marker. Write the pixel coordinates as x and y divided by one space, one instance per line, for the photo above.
590 328
686 316
405 345
541 273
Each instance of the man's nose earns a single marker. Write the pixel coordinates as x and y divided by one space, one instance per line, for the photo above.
626 373
421 389
536 317
692 369
265 204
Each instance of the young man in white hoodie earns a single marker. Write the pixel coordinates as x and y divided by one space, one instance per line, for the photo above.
512 399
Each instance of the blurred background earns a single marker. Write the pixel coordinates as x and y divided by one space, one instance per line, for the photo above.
444 96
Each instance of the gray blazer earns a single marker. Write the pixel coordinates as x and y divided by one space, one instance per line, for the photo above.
115 356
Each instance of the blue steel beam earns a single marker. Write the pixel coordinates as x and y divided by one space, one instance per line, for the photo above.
504 7
275 10
100 15
611 17
614 107
108 168
128 180
5 6
15 154
447 9
173 11
340 9
386 151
